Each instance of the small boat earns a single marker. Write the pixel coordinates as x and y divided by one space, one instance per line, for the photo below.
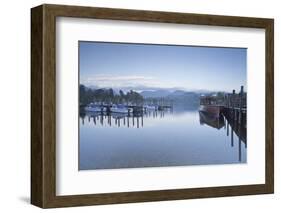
93 108
119 109
213 110
210 105
150 107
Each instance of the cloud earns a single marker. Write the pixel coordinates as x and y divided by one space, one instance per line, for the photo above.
115 81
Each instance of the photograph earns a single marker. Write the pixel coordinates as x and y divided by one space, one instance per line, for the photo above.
147 105
140 105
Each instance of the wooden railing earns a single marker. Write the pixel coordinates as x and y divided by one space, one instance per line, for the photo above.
234 100
230 100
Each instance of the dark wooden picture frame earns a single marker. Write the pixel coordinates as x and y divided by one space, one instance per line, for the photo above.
43 105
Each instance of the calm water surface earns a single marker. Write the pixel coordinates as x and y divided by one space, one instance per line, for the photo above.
158 139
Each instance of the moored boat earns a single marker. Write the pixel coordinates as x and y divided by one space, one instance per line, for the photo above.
93 108
150 107
210 105
119 109
213 110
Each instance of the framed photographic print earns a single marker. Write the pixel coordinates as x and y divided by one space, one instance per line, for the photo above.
136 106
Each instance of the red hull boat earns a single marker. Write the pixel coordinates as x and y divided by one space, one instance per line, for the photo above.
213 110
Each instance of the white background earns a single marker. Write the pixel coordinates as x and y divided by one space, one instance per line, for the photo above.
15 105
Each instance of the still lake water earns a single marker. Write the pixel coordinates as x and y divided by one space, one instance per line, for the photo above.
157 139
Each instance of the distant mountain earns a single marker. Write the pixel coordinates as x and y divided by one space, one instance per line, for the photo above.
92 87
165 93
155 93
186 98
177 93
178 97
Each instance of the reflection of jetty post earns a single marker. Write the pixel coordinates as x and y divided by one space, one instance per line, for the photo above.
227 128
239 144
232 144
133 121
119 119
235 112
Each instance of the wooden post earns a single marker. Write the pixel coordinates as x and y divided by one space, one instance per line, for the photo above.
232 144
133 121
101 120
240 105
228 101
232 104
128 122
239 137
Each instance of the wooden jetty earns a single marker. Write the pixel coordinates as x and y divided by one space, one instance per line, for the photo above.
233 108
233 105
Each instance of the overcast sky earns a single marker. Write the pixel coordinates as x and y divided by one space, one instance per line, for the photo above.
120 65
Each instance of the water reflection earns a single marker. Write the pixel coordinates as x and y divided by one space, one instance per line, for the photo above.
159 138
122 119
230 125
205 118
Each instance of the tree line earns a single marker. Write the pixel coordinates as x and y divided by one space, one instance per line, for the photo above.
107 96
